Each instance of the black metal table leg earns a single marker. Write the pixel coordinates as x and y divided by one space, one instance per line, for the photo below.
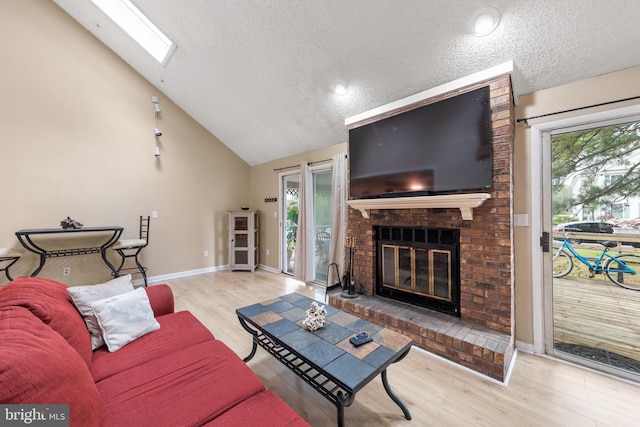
103 252
254 334
394 397
342 400
28 244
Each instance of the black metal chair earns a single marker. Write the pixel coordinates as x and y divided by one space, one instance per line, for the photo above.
130 248
8 257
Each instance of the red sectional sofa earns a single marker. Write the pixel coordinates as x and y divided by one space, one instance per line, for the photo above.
177 375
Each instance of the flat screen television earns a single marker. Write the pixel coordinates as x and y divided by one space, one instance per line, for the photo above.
440 147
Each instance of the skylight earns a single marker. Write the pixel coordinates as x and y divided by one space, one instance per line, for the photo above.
139 27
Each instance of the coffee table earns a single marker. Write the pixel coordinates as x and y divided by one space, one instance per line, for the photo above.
325 359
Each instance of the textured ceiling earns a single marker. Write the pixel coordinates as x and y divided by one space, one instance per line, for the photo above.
259 74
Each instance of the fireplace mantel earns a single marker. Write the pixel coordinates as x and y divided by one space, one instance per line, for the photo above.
464 202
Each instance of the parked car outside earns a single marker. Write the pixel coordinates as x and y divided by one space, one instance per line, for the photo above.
584 227
627 227
627 232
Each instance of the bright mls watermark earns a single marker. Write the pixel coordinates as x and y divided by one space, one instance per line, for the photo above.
34 415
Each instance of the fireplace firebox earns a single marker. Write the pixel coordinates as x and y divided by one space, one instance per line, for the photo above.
419 266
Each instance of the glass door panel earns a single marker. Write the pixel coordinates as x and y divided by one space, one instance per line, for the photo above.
290 193
322 224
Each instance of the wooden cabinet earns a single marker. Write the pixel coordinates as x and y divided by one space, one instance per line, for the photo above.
243 240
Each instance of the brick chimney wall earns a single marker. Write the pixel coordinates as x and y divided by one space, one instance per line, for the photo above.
486 242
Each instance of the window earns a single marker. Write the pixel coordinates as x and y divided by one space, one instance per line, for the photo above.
139 27
611 178
617 210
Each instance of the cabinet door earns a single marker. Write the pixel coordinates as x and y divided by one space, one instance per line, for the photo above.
242 240
254 241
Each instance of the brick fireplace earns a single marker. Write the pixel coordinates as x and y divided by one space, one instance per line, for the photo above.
481 338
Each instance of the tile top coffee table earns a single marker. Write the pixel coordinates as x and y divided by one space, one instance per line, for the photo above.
324 358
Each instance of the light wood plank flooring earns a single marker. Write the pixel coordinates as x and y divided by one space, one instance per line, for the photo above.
541 391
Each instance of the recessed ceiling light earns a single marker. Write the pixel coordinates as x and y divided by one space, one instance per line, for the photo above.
341 88
485 21
128 17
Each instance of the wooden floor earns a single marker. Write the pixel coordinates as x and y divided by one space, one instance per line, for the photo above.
597 313
541 391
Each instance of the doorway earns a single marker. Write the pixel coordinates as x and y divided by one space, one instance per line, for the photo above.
593 197
316 258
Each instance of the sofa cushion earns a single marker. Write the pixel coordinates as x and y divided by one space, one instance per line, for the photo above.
177 331
37 366
83 296
51 303
124 318
264 409
185 388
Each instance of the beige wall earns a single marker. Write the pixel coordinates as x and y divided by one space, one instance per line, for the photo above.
76 139
265 183
602 89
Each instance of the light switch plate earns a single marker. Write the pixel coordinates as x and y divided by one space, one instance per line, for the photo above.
521 220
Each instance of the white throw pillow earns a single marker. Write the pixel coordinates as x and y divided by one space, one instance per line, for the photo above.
83 296
125 318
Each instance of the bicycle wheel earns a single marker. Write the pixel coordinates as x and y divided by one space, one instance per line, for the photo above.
562 262
624 279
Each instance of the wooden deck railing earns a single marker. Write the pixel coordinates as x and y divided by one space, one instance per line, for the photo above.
623 239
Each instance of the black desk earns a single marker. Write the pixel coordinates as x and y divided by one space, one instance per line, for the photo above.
112 234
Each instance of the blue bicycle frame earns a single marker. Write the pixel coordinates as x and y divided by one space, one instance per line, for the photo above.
598 267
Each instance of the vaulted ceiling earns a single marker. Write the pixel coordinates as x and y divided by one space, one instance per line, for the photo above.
259 74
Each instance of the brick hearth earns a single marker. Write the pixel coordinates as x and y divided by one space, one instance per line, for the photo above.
469 345
482 338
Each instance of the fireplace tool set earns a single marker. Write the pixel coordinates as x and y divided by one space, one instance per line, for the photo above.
347 281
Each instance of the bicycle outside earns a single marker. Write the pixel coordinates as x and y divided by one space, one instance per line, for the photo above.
621 269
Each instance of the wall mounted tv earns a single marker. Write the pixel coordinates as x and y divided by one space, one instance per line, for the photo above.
440 147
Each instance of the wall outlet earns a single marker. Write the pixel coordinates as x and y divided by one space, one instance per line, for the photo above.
206 253
154 214
267 252
66 271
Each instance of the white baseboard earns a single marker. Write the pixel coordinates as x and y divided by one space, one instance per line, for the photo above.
164 277
269 269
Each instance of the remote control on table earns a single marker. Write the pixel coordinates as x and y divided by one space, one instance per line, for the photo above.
360 339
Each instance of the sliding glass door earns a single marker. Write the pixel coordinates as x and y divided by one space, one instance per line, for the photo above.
321 224
595 204
318 218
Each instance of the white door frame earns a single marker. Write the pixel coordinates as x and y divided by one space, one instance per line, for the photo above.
540 176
